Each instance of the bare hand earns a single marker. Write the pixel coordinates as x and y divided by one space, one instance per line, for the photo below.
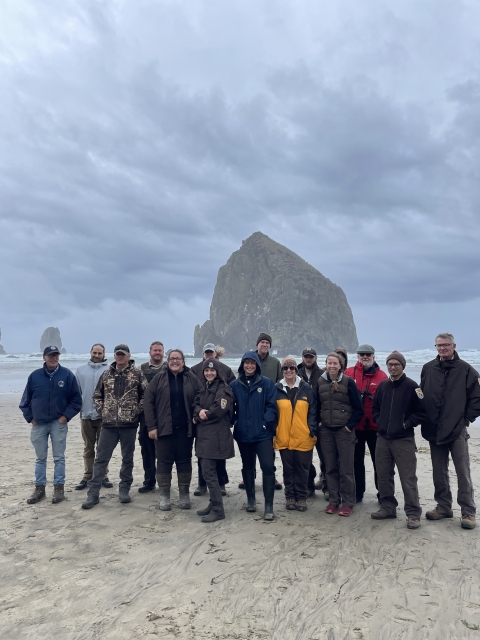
33 423
203 414
153 434
319 424
62 420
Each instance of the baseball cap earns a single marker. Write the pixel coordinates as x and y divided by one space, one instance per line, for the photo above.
121 347
209 347
309 351
48 350
365 348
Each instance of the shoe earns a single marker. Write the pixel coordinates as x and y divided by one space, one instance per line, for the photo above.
213 516
124 496
145 488
413 523
468 522
278 485
345 511
319 485
200 491
90 502
37 495
359 499
383 514
241 485
206 511
439 513
58 493
184 480
311 492
107 484
326 495
249 484
269 486
331 508
164 481
290 504
223 490
301 505
81 485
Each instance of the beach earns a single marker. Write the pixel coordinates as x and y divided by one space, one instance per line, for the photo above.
132 571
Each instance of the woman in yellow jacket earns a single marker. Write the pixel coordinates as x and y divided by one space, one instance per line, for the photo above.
295 436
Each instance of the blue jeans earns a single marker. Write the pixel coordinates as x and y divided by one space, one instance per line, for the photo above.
39 438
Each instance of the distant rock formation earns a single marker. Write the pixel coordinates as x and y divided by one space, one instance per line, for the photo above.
51 338
2 351
266 287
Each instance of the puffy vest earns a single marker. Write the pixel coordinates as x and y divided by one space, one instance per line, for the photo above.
335 409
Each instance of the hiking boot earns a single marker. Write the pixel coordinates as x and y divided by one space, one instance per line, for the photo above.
124 496
290 504
58 493
383 514
213 516
301 505
37 495
200 491
269 486
145 488
249 484
164 481
413 523
206 511
107 484
331 508
184 480
345 511
90 502
468 522
439 513
223 490
81 485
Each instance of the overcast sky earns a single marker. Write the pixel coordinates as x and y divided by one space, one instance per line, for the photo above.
140 142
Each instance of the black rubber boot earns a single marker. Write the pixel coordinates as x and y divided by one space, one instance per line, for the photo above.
249 481
184 480
268 493
164 481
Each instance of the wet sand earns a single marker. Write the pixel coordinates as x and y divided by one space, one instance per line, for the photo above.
132 571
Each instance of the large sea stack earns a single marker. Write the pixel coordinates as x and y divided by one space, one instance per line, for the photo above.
51 337
265 287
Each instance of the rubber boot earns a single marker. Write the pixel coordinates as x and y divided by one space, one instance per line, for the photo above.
164 481
268 493
249 481
58 493
37 495
184 480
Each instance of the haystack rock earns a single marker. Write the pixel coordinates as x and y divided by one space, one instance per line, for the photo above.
51 338
265 287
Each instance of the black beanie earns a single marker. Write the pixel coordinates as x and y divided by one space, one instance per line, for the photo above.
264 336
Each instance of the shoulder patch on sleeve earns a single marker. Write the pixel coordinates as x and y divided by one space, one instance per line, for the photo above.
223 403
419 393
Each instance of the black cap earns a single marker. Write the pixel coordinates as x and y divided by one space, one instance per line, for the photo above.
48 350
309 351
121 347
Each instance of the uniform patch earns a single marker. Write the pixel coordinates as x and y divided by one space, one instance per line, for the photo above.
223 403
61 383
419 393
304 398
210 364
259 389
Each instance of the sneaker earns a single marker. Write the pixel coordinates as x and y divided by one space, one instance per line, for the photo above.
345 511
278 485
106 483
81 485
290 504
468 522
413 523
331 508
200 491
383 514
301 505
90 502
124 497
439 513
145 488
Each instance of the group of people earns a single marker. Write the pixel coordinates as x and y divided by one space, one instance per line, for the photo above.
272 406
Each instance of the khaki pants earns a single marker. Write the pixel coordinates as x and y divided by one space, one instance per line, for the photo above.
91 435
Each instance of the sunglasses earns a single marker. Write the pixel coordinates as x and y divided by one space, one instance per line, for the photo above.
289 368
362 355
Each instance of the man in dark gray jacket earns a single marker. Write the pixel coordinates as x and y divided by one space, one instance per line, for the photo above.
452 400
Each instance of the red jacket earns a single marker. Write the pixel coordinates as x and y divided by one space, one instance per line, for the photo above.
367 384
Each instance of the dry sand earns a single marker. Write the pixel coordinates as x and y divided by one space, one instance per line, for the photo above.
132 571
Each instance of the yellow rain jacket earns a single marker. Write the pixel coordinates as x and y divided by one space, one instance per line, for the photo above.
297 424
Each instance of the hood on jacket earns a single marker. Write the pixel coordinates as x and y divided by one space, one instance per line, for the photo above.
342 352
250 355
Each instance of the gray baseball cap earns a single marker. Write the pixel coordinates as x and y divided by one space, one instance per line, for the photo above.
209 347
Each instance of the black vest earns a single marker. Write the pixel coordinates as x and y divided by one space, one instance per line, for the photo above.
335 409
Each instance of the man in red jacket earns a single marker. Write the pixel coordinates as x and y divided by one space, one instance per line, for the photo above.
367 375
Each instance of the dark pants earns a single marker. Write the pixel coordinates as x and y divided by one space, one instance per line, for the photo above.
368 437
263 450
296 467
400 452
461 460
210 471
174 448
221 466
148 454
338 447
313 472
109 438
91 435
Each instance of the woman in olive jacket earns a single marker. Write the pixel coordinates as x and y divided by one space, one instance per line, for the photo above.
213 412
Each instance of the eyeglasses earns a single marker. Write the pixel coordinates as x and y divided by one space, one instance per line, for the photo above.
288 368
363 355
444 345
175 360
390 364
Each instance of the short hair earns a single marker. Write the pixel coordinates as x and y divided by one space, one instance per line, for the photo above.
98 344
176 351
445 336
154 343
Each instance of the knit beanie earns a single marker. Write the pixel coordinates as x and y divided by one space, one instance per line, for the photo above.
211 363
396 355
289 362
264 336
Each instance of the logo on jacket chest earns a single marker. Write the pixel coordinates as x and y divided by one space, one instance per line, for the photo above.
259 389
223 403
61 383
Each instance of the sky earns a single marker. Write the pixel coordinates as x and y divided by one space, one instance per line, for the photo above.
141 142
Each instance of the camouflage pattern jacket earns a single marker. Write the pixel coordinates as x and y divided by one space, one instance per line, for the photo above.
118 396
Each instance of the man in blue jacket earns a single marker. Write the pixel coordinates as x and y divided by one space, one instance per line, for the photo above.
51 398
255 424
